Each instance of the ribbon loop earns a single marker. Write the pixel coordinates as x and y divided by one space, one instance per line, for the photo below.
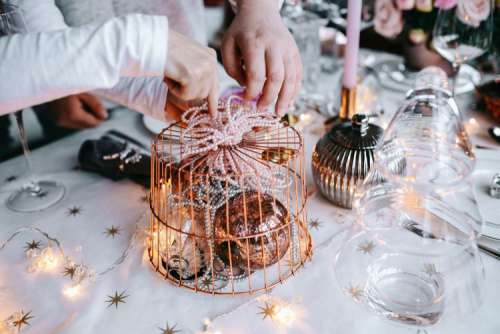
204 133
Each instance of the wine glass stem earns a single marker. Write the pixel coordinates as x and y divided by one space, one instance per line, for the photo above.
32 186
456 69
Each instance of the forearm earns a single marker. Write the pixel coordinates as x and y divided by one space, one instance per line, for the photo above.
146 95
39 67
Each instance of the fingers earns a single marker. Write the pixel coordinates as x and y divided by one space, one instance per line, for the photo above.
254 59
231 58
191 70
298 78
82 119
288 88
69 112
275 73
174 87
178 94
93 105
172 111
196 78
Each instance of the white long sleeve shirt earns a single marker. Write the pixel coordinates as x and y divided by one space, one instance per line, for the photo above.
39 67
146 95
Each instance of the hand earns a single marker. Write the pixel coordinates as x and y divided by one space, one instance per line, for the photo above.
271 60
175 107
77 111
191 71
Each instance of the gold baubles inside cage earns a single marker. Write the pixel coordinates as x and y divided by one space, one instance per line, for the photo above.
228 215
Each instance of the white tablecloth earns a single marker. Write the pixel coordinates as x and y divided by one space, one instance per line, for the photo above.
153 302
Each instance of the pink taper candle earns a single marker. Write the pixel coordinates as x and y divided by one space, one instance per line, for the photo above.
352 48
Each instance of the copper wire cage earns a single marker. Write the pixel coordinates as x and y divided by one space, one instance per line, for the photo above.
237 231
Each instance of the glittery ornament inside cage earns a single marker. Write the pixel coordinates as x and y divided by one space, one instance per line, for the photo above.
228 201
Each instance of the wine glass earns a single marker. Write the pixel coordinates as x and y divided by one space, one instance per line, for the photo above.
34 195
304 26
460 36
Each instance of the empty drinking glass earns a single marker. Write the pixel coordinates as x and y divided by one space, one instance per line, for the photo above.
34 195
412 256
463 32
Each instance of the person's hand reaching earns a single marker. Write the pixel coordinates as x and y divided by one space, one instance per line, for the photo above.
77 111
191 71
259 52
175 107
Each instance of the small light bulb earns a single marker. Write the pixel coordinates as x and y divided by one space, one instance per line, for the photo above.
72 291
285 315
48 261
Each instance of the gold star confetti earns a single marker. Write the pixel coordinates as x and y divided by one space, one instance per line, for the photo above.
21 319
112 231
268 310
366 247
116 299
206 283
69 271
33 245
315 224
169 330
355 291
430 269
74 211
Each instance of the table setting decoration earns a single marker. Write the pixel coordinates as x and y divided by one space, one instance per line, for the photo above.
412 256
35 194
342 158
463 31
228 201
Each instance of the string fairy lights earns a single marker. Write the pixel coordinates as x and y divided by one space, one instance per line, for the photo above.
72 291
46 260
208 327
283 313
52 258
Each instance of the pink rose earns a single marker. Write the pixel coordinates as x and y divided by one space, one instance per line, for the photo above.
388 19
405 4
445 4
472 12
423 5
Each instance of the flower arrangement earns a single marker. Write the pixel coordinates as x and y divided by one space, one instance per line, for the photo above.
414 19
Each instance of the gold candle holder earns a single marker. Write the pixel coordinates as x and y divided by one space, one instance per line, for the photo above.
347 103
347 108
